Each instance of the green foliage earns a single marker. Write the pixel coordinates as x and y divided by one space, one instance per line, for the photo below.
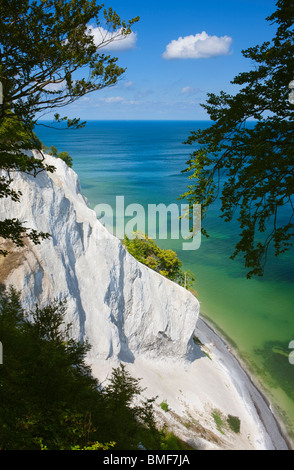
48 396
43 44
234 423
65 157
219 421
14 136
230 422
132 422
165 262
96 446
62 155
12 229
255 162
171 442
164 406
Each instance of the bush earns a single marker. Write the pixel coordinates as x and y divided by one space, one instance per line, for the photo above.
234 423
164 405
65 156
171 442
165 262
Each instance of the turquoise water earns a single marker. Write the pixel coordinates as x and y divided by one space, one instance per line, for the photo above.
142 161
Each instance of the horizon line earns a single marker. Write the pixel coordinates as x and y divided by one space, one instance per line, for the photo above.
128 120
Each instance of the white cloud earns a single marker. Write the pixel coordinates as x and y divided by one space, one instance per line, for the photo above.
117 100
55 86
114 99
188 90
128 84
113 41
200 46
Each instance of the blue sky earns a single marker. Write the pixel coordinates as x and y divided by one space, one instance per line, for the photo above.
179 52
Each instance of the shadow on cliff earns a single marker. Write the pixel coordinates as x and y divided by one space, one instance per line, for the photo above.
196 350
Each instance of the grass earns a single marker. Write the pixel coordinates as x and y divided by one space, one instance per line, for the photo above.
231 422
219 421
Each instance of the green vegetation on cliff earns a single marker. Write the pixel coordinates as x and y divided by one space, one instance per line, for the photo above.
165 262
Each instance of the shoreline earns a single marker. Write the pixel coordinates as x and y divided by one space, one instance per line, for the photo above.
213 381
272 423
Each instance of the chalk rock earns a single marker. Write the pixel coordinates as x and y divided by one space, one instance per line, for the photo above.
120 306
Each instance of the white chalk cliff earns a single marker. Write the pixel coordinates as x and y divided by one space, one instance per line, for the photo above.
119 305
126 311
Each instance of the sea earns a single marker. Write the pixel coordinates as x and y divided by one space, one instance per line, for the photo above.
141 162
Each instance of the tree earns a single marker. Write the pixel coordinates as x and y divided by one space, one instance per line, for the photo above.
250 167
62 155
48 396
129 420
165 262
43 379
48 59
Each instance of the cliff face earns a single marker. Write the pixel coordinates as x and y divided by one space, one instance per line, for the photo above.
120 306
129 313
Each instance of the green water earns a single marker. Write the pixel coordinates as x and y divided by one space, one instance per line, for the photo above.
143 162
256 316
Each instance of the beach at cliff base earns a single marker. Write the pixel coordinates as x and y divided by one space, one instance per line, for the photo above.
196 399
